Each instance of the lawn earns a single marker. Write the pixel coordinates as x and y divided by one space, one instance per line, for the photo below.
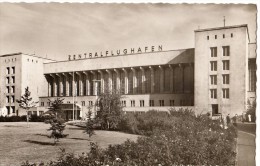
19 143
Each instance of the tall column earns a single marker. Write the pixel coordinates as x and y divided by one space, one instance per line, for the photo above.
152 79
161 79
94 82
59 81
171 78
80 83
134 81
54 84
109 80
117 80
72 74
87 83
66 76
126 81
143 79
48 78
102 83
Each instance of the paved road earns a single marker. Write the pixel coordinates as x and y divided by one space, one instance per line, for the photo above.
246 149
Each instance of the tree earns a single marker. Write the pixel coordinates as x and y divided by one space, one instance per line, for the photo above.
56 121
109 114
26 102
90 123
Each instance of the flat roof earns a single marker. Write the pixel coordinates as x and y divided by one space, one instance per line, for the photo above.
224 27
20 53
120 55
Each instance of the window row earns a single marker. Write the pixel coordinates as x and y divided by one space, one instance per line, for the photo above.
225 79
10 89
225 51
10 80
10 109
10 70
214 65
10 99
36 61
223 36
9 60
225 93
141 103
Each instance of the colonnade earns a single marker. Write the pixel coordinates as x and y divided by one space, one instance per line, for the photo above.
133 80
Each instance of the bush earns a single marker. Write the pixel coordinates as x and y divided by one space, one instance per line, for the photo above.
13 118
35 118
171 138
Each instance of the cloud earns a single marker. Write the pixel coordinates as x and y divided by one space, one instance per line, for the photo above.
59 29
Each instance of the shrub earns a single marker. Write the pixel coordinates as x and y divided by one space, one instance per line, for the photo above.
90 125
172 138
13 118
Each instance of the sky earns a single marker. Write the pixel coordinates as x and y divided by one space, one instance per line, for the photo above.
56 30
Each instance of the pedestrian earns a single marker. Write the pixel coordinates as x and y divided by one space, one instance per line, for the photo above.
235 120
243 117
249 117
228 119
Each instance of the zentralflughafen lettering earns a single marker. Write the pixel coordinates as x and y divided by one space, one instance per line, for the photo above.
101 54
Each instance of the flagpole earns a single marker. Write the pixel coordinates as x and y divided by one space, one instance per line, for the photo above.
73 92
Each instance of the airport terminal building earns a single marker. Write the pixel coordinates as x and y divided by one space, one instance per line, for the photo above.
217 76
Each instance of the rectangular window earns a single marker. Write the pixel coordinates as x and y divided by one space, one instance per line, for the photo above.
171 102
225 65
225 93
213 93
12 99
13 79
151 103
13 109
8 110
207 37
216 36
213 65
83 103
90 103
42 104
213 51
7 89
213 79
7 99
141 103
13 70
132 103
13 89
225 50
225 78
7 70
161 103
7 80
49 103
40 113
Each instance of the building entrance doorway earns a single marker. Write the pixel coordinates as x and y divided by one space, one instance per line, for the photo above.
215 110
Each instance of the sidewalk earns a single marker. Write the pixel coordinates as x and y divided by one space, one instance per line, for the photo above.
246 149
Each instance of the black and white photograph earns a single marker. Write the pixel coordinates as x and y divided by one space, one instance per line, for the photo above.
128 84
